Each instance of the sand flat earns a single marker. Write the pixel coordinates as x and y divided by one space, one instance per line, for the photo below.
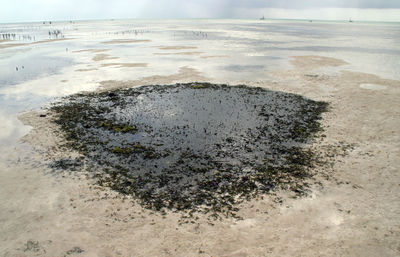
102 57
88 69
125 41
12 45
179 53
33 43
352 208
176 47
125 65
373 86
184 74
91 50
214 56
328 211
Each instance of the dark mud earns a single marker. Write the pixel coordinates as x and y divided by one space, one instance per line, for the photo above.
195 146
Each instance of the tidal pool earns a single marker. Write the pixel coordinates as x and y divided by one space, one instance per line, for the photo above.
191 146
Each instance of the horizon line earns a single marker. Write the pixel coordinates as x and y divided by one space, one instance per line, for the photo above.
256 19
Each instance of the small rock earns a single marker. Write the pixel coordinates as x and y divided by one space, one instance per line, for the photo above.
74 250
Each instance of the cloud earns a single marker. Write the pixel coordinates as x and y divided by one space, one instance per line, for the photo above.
363 14
38 10
312 4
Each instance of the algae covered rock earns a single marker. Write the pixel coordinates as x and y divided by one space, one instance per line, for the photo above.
188 145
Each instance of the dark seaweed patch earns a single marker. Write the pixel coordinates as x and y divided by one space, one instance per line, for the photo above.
192 146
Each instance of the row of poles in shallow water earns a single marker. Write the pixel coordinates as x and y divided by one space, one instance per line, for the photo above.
15 37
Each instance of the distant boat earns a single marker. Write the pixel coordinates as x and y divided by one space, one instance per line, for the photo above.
350 20
262 18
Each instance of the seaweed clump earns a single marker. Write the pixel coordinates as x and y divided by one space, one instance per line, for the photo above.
194 146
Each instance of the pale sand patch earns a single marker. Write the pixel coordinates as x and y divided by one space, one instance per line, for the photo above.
12 45
176 47
359 78
125 41
33 43
91 50
214 56
83 70
304 65
46 135
185 74
373 86
179 53
102 57
127 65
356 213
312 62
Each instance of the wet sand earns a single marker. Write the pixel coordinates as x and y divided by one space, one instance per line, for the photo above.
214 56
102 57
89 69
33 43
125 41
176 47
351 214
352 210
126 65
91 50
180 53
185 74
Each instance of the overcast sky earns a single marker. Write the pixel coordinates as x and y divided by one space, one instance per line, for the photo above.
39 10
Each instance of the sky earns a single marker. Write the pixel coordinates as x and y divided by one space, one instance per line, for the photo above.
45 10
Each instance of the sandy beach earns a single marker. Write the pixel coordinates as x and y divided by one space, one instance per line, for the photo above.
352 208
